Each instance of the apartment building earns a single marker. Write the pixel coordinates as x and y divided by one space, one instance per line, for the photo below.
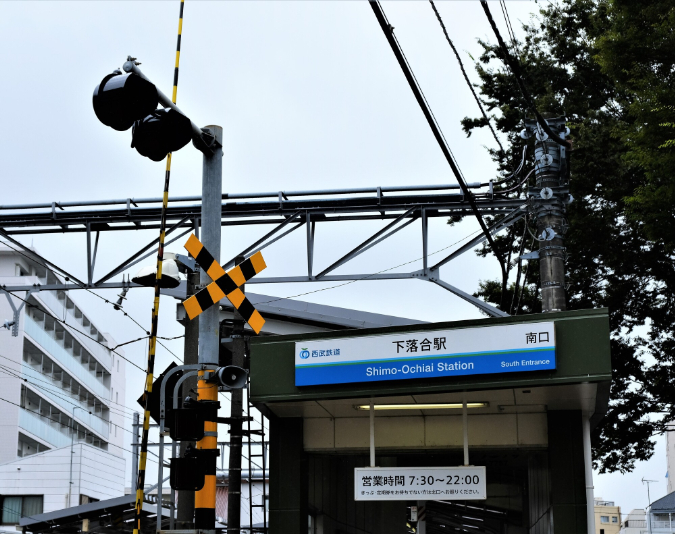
62 391
607 516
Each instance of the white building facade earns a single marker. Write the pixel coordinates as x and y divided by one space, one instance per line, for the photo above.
62 394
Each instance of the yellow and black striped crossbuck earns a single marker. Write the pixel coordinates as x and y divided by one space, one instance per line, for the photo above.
225 284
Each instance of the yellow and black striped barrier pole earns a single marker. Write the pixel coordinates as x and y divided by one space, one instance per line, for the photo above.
205 498
140 482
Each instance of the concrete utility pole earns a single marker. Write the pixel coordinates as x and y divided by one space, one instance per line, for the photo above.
134 450
236 426
551 175
186 499
209 338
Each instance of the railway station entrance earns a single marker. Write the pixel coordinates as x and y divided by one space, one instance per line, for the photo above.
482 425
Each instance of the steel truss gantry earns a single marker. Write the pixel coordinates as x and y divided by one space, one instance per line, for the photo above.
288 211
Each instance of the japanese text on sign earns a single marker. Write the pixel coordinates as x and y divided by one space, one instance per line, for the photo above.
432 483
423 354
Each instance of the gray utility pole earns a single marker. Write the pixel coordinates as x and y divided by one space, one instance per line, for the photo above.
135 440
209 329
552 185
186 499
236 426
212 192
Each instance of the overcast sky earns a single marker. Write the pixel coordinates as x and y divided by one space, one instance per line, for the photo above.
310 97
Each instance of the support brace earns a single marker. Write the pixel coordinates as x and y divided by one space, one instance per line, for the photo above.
16 312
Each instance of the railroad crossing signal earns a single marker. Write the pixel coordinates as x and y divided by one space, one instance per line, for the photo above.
122 101
225 284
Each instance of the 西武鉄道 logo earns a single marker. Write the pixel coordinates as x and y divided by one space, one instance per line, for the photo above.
304 354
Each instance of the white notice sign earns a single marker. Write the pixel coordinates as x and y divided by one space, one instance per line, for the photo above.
419 483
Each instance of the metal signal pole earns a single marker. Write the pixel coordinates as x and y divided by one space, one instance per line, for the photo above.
186 498
236 427
209 338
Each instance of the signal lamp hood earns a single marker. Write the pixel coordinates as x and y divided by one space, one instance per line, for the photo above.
161 132
121 99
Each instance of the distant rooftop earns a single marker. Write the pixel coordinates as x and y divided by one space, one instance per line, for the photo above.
322 313
664 504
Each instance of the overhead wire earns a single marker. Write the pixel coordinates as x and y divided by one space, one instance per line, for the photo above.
61 394
31 305
388 31
509 27
122 406
71 427
466 77
520 268
147 337
126 314
374 274
515 70
520 294
515 187
513 175
82 286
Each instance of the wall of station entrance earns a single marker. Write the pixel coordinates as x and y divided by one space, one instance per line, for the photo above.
529 436
530 490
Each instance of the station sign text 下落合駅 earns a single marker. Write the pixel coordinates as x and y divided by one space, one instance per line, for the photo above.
419 483
465 351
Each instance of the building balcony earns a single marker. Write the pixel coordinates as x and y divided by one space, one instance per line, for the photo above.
41 428
65 401
64 357
662 527
102 354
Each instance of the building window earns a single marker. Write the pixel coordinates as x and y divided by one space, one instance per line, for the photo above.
602 531
14 507
615 519
604 519
118 365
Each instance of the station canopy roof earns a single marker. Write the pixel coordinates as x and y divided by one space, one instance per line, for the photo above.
580 381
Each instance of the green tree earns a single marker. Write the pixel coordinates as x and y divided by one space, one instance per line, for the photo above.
617 258
638 52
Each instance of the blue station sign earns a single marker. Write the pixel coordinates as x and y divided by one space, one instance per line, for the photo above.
408 355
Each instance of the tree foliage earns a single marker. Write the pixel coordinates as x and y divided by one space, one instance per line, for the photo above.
608 66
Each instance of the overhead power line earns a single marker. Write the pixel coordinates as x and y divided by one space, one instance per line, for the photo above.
466 77
507 20
515 69
82 286
73 428
46 264
62 321
388 30
50 382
